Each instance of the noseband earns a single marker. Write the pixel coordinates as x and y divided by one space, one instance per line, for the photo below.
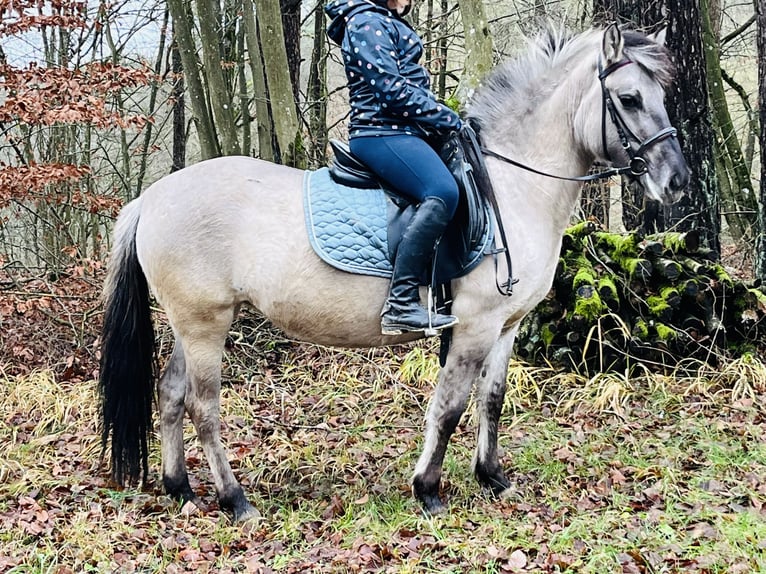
638 164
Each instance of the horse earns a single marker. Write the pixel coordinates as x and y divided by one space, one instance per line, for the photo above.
229 231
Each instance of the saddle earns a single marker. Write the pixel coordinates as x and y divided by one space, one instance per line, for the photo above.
468 237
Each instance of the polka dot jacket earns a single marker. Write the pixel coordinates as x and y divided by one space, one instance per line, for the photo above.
389 90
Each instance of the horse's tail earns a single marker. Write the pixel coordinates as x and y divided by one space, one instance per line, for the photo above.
128 356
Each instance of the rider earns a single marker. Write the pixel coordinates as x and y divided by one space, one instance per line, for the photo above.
395 119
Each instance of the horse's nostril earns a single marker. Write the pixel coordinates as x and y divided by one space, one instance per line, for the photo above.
679 181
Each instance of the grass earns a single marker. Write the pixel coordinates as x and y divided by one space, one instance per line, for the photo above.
609 474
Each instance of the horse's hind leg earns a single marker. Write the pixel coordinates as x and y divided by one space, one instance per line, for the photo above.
172 393
490 395
203 336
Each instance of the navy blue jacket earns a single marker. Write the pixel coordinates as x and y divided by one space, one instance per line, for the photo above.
389 90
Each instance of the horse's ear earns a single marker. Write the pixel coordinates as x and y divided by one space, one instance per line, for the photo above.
659 37
612 44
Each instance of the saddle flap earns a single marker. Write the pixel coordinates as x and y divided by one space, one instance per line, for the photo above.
472 215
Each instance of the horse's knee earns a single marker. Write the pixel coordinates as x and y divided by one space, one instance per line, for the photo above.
447 419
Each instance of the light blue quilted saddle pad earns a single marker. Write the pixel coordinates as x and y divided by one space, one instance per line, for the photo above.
347 226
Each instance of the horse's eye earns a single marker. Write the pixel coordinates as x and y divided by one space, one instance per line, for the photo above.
631 101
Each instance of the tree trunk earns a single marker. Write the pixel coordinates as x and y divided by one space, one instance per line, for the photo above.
760 251
244 97
152 106
443 50
737 195
478 47
179 112
182 28
689 111
264 125
317 91
283 111
291 24
220 99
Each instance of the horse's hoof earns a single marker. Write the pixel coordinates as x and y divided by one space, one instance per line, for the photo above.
433 505
428 497
247 513
494 481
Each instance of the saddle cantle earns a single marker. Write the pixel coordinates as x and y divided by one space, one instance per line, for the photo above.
467 239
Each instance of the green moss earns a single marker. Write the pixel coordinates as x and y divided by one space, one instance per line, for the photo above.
632 265
581 229
722 275
453 103
674 241
668 292
584 276
664 332
657 305
641 329
607 283
619 245
590 308
547 334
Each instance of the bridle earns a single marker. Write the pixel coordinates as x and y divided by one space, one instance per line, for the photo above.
638 164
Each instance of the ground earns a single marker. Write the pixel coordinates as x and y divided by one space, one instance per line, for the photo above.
659 474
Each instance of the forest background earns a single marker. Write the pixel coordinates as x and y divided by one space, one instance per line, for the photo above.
623 474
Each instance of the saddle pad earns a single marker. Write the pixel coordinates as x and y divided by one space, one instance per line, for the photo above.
347 226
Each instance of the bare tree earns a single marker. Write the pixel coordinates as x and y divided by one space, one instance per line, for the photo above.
738 200
187 47
689 110
760 259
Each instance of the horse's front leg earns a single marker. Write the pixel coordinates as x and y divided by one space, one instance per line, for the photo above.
444 412
490 395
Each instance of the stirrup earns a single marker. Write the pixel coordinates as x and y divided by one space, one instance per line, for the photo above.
428 330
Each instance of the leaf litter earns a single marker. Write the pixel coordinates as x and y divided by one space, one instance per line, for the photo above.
324 442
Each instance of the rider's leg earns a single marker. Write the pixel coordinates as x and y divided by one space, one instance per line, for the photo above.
413 168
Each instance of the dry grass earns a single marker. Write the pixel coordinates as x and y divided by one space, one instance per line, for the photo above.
610 473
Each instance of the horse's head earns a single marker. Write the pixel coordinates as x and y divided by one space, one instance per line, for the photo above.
635 130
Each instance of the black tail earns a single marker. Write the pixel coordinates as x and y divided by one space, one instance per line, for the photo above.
128 357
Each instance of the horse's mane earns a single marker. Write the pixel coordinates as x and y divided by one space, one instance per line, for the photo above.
515 85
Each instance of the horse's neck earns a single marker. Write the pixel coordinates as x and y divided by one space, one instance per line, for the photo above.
537 209
546 142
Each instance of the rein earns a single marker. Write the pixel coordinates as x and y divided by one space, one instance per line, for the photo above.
637 166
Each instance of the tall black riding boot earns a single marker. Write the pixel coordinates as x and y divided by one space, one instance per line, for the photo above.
403 311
